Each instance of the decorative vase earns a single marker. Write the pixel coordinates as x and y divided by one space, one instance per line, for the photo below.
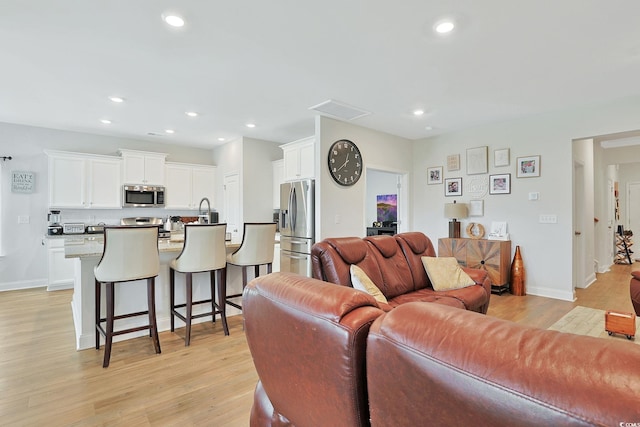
518 274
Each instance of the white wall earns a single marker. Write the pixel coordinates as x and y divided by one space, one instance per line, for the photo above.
258 179
24 260
546 248
228 158
344 208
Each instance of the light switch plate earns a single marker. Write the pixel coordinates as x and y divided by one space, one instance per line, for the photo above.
548 219
534 195
23 219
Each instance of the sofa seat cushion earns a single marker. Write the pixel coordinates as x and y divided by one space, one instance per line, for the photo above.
475 298
427 295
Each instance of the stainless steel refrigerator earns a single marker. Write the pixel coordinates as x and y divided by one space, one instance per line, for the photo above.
297 226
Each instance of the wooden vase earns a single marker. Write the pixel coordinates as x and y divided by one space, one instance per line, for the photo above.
517 274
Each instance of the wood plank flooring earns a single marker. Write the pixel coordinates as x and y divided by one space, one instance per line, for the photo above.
45 381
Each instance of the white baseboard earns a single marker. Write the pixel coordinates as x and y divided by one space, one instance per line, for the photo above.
22 284
551 293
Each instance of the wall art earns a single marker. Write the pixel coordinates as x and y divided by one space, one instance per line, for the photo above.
453 162
528 167
501 157
434 175
477 160
453 187
500 184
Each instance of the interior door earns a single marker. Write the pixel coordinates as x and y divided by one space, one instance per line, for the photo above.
232 205
633 207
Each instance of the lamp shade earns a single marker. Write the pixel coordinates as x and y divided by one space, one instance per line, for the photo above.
455 210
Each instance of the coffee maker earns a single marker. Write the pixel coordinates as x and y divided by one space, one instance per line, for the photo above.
54 227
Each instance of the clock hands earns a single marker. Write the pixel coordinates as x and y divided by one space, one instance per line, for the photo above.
345 162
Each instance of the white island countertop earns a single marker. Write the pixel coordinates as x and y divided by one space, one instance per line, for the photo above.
93 245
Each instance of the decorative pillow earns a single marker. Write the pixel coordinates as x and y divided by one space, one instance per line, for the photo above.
445 273
361 281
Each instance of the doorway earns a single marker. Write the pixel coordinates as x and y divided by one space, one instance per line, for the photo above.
385 182
232 205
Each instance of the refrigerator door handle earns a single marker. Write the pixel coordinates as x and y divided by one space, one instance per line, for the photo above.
293 207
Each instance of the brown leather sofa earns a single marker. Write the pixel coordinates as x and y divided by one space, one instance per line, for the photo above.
634 290
394 264
327 356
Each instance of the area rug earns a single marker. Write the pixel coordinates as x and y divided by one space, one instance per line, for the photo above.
589 321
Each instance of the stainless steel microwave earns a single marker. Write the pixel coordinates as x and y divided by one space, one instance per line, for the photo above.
142 196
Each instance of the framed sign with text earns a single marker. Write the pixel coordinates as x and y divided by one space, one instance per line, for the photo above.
23 182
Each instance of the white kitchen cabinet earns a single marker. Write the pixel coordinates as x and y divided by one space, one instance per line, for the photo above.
278 178
142 167
299 159
187 184
60 269
78 180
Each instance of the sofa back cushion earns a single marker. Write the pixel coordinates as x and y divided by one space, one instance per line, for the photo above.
392 264
331 260
470 369
308 340
414 246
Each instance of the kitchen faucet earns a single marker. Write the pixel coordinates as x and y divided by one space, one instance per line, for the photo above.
204 199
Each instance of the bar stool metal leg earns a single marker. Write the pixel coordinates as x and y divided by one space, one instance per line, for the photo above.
153 325
110 319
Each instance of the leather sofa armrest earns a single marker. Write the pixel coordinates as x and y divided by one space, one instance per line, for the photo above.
481 277
636 275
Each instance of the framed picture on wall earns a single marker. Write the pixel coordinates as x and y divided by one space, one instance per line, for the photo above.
500 184
477 160
501 157
528 167
453 162
453 187
434 175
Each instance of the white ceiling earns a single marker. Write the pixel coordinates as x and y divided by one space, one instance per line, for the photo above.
267 62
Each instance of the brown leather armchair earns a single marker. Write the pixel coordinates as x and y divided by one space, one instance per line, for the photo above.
634 290
308 341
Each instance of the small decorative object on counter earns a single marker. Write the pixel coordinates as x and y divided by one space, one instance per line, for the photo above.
518 274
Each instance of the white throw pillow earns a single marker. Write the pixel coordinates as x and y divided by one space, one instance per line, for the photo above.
445 273
362 282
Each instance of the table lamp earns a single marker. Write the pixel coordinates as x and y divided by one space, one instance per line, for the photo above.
455 211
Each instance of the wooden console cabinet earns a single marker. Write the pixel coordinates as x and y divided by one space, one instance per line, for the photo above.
494 256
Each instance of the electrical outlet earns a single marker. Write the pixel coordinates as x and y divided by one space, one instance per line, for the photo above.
548 219
336 220
23 219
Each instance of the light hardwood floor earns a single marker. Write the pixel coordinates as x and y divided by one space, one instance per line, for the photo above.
44 381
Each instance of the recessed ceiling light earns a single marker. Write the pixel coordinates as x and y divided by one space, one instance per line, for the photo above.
169 131
444 27
116 99
191 113
105 121
428 127
418 112
250 125
221 139
173 20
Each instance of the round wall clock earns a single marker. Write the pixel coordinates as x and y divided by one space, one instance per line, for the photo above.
345 162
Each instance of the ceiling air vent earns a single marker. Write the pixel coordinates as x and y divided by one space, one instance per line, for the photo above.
339 110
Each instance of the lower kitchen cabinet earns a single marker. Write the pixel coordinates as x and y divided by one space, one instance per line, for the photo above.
60 269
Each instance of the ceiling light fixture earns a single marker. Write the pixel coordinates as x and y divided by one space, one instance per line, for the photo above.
221 139
250 125
105 121
173 20
444 27
428 127
191 113
418 112
116 99
169 131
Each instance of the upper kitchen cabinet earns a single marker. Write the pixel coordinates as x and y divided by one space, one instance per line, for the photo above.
79 180
142 167
187 184
299 159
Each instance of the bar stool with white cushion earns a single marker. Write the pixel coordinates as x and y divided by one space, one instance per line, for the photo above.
255 250
204 250
130 253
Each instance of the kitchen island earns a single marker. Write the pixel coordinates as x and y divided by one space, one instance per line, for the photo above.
86 252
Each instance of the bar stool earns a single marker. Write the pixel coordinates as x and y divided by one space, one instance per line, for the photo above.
255 250
204 250
130 253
